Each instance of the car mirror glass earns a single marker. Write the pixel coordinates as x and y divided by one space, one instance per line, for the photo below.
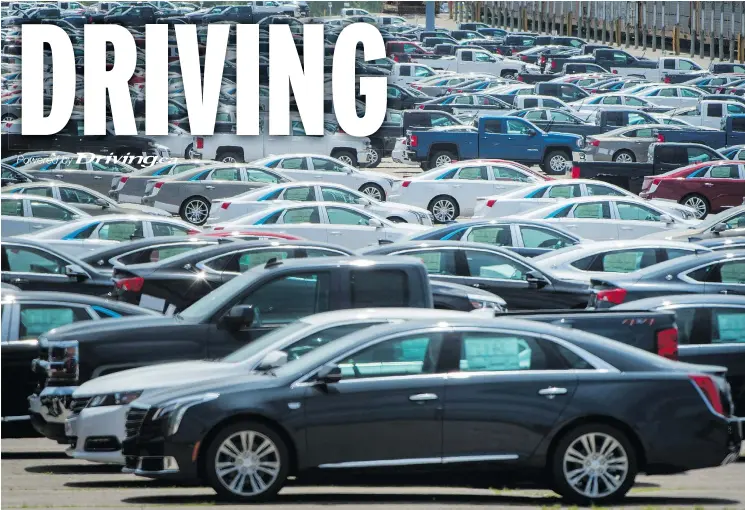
329 374
274 359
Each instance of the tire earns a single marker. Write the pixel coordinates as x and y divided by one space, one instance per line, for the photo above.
346 157
614 472
230 157
188 150
397 219
374 191
697 202
377 156
624 156
551 163
8 117
195 210
510 75
441 158
446 207
258 484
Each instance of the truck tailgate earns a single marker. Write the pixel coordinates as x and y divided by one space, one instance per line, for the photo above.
628 176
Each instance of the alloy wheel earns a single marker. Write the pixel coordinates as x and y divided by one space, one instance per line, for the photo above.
374 157
443 210
624 157
229 159
595 465
247 463
347 160
558 163
373 192
196 211
698 205
443 160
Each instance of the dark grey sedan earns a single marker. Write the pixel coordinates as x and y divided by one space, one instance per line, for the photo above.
130 188
719 272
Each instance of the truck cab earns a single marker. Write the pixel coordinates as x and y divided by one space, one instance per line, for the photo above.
403 74
479 61
709 113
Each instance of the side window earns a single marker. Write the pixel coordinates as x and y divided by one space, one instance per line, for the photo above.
551 103
727 325
530 102
600 190
41 192
31 260
297 128
633 101
40 318
492 126
393 92
697 155
611 100
406 355
628 211
515 127
256 175
76 196
483 264
688 93
405 71
738 221
463 100
294 164
301 215
498 235
668 92
670 64
289 298
436 261
338 195
466 56
379 288
226 174
245 261
597 210
732 272
339 216
565 191
167 229
502 352
49 211
305 345
714 110
299 194
724 172
121 231
536 237
11 207
535 115
327 165
625 261
473 173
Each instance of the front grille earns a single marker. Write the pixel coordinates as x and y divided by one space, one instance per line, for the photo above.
78 404
135 417
102 444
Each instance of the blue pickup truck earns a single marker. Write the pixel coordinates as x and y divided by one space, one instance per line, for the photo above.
732 133
510 138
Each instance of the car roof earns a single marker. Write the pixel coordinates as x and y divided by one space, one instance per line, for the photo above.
10 296
704 300
362 314
583 250
409 245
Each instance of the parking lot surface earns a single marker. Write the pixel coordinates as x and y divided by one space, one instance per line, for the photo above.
36 473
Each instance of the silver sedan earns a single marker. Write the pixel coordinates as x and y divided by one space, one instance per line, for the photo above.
628 144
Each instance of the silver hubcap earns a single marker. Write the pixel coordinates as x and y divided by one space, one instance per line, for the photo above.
247 463
374 156
698 205
229 159
595 465
443 160
196 211
624 158
444 210
558 163
345 159
373 192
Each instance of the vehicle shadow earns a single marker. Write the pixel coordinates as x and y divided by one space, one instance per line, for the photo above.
75 469
125 484
32 455
425 499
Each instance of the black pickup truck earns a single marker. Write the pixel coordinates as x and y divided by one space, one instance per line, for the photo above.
234 314
663 157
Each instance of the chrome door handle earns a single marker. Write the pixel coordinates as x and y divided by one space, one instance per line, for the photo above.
97 177
59 176
725 291
708 184
37 227
552 391
456 185
18 280
423 397
625 228
209 187
335 233
477 285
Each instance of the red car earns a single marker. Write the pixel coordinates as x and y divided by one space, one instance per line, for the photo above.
706 187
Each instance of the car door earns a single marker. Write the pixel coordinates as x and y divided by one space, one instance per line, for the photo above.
295 168
351 229
32 268
14 220
727 277
507 179
83 200
498 274
328 170
46 214
723 186
391 394
505 397
534 240
469 183
590 220
637 220
518 144
223 182
304 222
98 175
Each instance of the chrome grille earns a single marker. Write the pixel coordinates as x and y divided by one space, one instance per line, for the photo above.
135 417
78 404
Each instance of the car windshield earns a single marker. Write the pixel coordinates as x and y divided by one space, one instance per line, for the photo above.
715 219
218 298
266 341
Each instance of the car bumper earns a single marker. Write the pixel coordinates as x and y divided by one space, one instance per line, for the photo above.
401 156
579 156
364 156
151 201
96 434
49 410
195 155
156 458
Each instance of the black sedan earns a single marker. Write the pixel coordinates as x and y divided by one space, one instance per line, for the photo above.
404 98
30 265
497 270
177 282
26 316
719 272
711 330
445 402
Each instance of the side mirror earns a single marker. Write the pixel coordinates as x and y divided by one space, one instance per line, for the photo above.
532 132
536 280
363 201
375 223
75 271
329 374
666 218
238 316
719 227
102 203
274 359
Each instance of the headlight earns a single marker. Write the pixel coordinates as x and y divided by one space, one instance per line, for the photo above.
580 142
479 302
175 409
114 399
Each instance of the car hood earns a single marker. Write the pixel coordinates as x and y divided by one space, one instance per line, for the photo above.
91 330
144 209
411 228
379 175
159 376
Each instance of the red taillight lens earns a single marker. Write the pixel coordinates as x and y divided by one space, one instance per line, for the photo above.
615 71
421 106
414 140
200 142
543 59
520 77
661 138
405 184
615 296
122 180
554 65
219 228
158 185
667 343
192 232
524 58
706 384
575 172
595 143
667 79
449 91
133 284
490 203
224 205
395 58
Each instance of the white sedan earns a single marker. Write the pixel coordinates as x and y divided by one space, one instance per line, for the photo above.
258 200
305 167
591 104
609 218
543 194
26 214
92 233
329 222
452 190
674 96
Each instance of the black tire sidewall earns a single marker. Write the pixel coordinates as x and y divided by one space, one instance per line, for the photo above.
209 463
192 199
456 207
706 201
436 155
555 464
383 197
624 151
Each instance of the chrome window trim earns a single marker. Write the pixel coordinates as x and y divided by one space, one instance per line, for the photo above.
419 461
201 264
684 275
32 247
201 244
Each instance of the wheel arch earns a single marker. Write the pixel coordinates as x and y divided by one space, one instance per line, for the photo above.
449 147
241 417
562 148
229 148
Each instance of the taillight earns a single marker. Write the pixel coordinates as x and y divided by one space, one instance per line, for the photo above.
520 78
193 232
661 138
158 185
615 71
655 183
133 284
524 58
405 184
709 390
543 59
414 141
395 58
218 228
575 171
421 106
224 205
200 142
667 343
491 202
122 180
450 91
595 143
667 79
615 296
554 64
